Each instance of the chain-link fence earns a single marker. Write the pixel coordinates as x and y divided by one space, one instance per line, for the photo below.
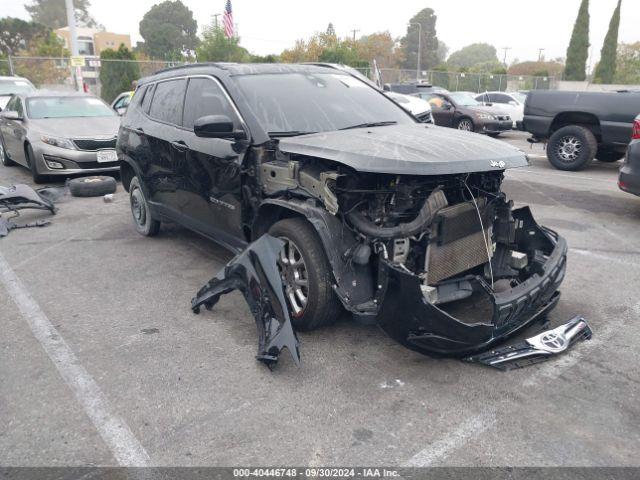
107 78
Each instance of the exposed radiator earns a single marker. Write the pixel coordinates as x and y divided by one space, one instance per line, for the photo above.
459 244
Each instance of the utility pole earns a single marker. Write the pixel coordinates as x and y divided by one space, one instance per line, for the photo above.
540 50
215 20
419 49
354 31
506 49
73 40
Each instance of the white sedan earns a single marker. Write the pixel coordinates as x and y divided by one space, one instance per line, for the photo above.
421 109
511 102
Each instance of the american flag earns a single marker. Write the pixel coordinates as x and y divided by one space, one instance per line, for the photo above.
227 20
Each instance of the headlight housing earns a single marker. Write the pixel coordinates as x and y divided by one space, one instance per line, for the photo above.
58 142
486 116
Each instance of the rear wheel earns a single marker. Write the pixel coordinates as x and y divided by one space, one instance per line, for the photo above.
306 275
31 161
608 156
572 148
4 158
466 124
145 224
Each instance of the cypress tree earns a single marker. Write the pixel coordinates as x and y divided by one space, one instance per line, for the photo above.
606 69
578 50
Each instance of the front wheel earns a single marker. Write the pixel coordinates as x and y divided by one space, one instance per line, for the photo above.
466 124
306 275
572 148
145 224
31 161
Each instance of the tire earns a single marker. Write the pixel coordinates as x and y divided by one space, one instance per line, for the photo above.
322 307
4 157
145 224
608 156
37 177
466 124
572 148
494 135
94 186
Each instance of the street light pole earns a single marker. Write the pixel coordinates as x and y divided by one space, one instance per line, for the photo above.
73 40
419 49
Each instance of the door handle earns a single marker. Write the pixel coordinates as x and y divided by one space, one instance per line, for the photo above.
180 146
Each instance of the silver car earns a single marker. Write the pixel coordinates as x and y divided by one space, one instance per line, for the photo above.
61 134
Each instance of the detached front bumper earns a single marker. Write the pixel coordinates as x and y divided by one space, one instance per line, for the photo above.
409 318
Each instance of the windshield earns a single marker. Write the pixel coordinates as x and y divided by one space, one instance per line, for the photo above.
7 87
63 107
305 103
464 99
520 97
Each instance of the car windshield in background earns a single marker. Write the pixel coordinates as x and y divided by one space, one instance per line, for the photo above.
8 87
520 97
464 99
304 103
63 107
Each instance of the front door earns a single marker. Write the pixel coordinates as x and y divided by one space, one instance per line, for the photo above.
213 165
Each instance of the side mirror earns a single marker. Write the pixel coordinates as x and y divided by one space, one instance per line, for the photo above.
217 126
10 115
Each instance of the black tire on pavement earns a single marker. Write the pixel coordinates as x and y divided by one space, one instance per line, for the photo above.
145 224
572 148
466 124
4 158
94 186
608 156
322 307
37 177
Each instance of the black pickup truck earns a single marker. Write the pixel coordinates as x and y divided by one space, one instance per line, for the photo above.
581 126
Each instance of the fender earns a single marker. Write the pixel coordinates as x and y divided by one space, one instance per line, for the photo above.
354 284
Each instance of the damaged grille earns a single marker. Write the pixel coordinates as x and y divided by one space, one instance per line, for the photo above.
459 245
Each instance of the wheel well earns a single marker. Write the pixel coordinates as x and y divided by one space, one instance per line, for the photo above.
126 174
267 216
581 119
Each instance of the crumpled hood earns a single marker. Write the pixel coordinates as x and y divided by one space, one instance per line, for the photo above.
408 149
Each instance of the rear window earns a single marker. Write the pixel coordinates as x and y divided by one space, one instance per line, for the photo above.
167 101
63 107
7 87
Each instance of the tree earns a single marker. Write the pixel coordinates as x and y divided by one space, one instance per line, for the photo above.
379 46
331 31
43 71
16 35
53 13
628 64
216 47
117 72
430 44
606 69
474 54
578 51
169 30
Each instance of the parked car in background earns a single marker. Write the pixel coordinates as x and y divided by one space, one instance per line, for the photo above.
511 102
629 180
52 133
121 102
460 110
581 126
11 85
419 108
413 88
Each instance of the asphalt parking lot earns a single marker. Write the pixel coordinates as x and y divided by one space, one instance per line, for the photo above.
103 363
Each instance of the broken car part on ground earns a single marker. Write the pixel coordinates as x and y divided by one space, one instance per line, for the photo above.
400 223
20 197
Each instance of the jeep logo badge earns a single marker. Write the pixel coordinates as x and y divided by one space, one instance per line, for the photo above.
499 164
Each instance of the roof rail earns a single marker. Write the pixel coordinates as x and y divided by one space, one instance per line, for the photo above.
194 65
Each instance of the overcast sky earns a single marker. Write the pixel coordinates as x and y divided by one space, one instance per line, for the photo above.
270 26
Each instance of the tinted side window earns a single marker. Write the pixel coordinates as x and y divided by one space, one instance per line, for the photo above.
168 100
205 97
148 95
499 98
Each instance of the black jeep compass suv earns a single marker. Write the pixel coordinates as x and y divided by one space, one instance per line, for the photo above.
395 221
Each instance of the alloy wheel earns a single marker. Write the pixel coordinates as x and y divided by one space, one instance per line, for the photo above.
465 125
138 207
293 271
569 148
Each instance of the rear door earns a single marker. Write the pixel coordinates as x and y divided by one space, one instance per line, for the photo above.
441 115
167 167
213 165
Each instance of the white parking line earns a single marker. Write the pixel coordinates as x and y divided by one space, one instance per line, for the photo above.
124 446
468 429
